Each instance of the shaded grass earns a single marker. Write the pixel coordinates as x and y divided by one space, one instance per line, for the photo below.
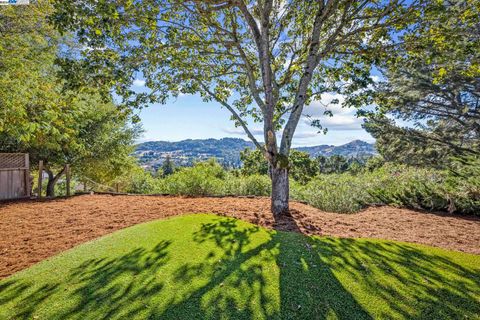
204 266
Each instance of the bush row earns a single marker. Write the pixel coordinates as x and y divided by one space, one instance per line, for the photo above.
395 185
203 179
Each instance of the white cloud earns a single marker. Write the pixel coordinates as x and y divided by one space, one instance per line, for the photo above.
301 135
139 83
318 108
182 95
240 132
344 126
376 78
89 48
342 119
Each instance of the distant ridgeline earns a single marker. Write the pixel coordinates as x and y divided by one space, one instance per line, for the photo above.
227 151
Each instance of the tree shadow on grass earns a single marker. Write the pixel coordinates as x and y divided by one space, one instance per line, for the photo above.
111 287
313 275
253 274
32 296
408 282
96 289
234 283
308 288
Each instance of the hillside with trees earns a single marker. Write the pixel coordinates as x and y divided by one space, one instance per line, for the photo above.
227 151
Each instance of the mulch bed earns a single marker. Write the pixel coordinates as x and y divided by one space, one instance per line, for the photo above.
31 231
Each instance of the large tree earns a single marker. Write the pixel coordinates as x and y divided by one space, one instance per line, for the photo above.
39 117
28 46
432 84
262 60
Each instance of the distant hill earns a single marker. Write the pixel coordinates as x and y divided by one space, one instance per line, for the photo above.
227 151
356 148
186 152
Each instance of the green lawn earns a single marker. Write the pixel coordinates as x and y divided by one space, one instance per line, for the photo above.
205 266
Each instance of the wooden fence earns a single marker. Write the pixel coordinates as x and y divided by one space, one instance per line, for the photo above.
14 176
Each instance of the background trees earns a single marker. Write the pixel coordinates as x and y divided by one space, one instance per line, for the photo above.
168 167
432 84
41 117
302 167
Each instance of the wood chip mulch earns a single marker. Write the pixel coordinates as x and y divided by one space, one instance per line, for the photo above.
31 231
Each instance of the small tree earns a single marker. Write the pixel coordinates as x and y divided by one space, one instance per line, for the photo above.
261 60
253 162
168 167
302 168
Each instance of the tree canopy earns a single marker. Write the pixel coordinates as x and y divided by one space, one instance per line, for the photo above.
43 118
432 83
262 60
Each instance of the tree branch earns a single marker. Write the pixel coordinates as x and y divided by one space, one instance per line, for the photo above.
233 112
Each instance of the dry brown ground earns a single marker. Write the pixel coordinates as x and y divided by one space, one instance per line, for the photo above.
31 231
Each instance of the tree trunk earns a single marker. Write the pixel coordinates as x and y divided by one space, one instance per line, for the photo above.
280 190
51 184
52 181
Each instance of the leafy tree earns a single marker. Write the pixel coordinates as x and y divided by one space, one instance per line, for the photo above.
168 167
355 165
262 60
432 81
333 164
322 163
97 144
27 81
253 162
27 49
341 164
301 167
57 126
374 163
30 99
107 138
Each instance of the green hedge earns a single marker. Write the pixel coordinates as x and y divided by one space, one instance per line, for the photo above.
395 185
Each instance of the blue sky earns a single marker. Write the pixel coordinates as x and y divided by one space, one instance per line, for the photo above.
188 117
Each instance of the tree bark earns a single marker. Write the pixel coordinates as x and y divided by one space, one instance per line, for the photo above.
51 184
52 181
280 191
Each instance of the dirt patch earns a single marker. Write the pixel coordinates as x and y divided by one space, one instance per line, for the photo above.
31 231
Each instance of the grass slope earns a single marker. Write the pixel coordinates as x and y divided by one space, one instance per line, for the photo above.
205 266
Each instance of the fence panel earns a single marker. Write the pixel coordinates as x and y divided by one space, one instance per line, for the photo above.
14 176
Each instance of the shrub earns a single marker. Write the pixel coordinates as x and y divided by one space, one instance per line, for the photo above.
408 187
141 182
395 185
254 185
333 192
134 180
204 178
463 185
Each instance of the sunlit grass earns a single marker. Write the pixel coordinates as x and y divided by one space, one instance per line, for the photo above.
205 266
